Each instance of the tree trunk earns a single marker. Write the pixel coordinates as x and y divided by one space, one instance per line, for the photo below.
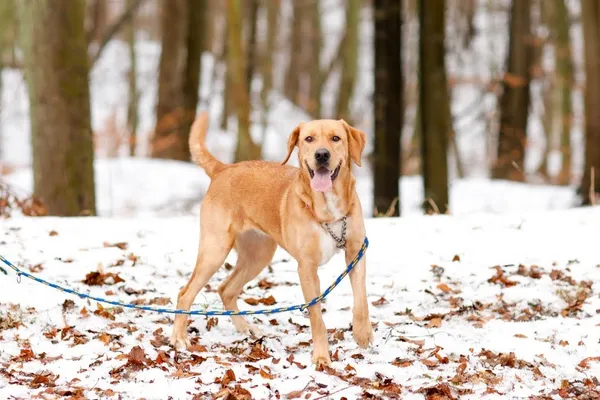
388 99
272 7
253 22
132 107
245 149
433 96
349 60
292 77
514 103
195 43
170 138
7 44
565 75
314 64
590 182
56 66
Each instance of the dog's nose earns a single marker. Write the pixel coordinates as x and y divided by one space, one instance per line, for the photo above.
322 155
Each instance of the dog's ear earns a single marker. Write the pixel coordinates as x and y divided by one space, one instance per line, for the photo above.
356 142
292 142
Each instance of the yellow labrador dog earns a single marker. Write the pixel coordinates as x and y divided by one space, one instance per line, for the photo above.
310 211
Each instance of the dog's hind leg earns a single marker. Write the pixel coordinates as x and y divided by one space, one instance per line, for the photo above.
214 248
255 251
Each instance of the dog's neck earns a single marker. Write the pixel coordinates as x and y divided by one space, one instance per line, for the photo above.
332 205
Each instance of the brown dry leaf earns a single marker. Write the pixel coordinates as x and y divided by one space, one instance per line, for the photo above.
402 362
162 357
434 323
520 335
228 377
36 268
197 348
266 374
586 361
120 245
501 278
258 352
252 301
84 313
137 357
296 394
444 288
378 303
268 301
53 233
430 363
456 258
273 322
160 301
46 379
211 323
102 312
104 338
441 391
96 278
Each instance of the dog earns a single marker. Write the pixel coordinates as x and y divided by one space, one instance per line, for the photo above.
311 212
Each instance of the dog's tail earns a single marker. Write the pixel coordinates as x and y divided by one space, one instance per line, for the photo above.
198 150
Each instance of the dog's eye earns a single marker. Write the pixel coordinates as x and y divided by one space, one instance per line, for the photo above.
308 139
336 138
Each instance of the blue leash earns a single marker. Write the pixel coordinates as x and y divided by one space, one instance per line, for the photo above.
302 307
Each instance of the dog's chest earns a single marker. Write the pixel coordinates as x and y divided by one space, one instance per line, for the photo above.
328 245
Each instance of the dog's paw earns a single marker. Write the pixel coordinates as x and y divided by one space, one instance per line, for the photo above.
321 359
179 340
245 328
362 333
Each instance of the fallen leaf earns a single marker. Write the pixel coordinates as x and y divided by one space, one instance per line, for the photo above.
96 278
380 302
434 323
402 362
228 377
53 233
444 288
585 362
456 258
266 374
120 245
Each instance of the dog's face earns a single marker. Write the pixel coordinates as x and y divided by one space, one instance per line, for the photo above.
324 148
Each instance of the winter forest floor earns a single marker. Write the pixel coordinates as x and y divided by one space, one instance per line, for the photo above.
474 307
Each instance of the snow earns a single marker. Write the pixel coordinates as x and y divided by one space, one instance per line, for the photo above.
442 322
409 261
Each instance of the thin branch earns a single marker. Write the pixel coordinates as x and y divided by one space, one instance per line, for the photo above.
113 29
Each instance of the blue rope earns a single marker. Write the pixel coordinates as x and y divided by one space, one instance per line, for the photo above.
301 307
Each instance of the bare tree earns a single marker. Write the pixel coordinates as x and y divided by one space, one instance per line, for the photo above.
56 68
590 182
433 97
272 9
514 103
245 149
179 76
388 99
349 59
315 42
133 94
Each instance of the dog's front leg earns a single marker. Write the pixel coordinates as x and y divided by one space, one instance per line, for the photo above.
361 325
309 280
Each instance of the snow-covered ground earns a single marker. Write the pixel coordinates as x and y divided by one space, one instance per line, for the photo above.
451 316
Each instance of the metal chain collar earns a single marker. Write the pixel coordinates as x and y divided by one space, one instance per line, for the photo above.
341 240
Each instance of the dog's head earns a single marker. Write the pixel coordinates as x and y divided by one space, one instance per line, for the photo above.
325 147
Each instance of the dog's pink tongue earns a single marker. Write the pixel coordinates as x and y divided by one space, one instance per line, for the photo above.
321 182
